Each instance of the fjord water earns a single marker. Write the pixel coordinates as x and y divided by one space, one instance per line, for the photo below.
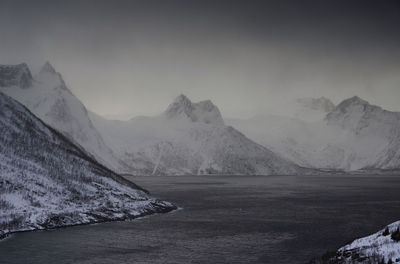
226 219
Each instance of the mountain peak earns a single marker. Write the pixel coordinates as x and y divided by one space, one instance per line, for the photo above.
182 98
180 106
15 75
47 67
204 111
351 102
356 99
48 73
354 113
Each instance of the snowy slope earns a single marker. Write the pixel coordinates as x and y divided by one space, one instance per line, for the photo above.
46 181
188 138
376 248
374 139
48 97
309 144
354 135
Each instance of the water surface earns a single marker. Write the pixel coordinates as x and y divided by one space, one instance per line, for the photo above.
226 219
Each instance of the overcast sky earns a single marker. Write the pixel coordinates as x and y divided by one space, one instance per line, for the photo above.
126 58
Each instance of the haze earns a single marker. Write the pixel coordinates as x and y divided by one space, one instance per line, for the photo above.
127 58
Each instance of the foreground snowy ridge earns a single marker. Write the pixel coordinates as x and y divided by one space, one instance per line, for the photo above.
46 181
381 247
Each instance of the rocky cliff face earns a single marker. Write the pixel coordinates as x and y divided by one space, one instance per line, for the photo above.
15 75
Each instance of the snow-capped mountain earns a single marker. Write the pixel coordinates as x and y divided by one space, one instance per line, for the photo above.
374 133
354 135
46 181
49 98
188 138
381 247
204 111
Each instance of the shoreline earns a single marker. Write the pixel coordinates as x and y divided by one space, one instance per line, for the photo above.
163 210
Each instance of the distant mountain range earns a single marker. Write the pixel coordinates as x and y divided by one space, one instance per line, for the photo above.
188 138
193 138
353 135
46 181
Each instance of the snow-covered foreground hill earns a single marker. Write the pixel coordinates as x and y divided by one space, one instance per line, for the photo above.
188 138
353 135
46 181
381 247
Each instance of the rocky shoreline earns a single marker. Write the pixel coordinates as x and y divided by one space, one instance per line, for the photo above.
58 221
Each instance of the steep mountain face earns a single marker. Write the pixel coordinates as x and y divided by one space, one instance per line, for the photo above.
381 247
374 132
48 97
46 181
188 138
354 135
15 75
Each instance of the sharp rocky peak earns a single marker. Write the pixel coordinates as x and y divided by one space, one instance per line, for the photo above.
204 111
15 75
47 67
48 72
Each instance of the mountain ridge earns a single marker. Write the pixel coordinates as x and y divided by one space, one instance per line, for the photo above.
354 135
51 100
47 181
176 144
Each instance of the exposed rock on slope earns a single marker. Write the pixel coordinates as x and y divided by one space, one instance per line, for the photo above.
204 111
46 181
15 75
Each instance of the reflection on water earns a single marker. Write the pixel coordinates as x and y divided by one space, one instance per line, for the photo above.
226 219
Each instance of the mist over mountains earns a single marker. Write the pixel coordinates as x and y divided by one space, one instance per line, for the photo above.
189 138
354 135
193 138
